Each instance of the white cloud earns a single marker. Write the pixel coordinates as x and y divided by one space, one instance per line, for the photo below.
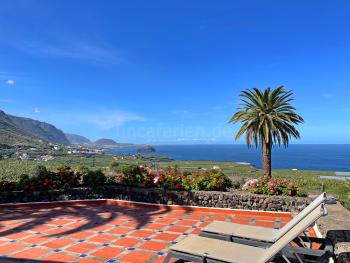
7 101
73 49
98 119
112 119
10 82
187 139
37 110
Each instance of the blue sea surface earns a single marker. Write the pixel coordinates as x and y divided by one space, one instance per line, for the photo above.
330 157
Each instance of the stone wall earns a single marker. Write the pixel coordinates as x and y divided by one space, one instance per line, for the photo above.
234 199
336 227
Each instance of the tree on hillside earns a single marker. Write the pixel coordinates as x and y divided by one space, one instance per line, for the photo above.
267 118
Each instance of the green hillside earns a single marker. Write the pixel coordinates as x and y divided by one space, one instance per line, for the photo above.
39 129
16 131
11 135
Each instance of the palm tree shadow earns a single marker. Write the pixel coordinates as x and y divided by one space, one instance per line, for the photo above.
94 215
15 260
35 218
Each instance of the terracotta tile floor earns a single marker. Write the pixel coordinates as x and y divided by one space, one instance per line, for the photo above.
88 232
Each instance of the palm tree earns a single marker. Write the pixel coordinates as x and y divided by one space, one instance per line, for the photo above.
267 118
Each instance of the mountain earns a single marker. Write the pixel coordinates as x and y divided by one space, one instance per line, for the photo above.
10 134
24 131
106 142
41 130
77 139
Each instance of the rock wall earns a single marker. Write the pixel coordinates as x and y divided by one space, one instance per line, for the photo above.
336 227
233 200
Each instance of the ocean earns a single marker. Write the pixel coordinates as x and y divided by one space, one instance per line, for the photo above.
329 157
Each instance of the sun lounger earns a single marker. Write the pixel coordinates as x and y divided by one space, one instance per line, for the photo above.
264 237
202 249
257 235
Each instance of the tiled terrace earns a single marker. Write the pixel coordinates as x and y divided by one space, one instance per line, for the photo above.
108 231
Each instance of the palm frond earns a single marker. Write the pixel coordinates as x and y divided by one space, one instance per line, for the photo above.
267 116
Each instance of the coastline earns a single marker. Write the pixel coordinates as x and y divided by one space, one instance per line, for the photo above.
310 157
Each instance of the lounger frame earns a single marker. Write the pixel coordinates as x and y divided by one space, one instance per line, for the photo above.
282 246
326 249
285 254
305 243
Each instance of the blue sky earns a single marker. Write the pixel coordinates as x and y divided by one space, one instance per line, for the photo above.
171 71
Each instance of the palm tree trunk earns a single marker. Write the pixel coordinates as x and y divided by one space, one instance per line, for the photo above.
266 157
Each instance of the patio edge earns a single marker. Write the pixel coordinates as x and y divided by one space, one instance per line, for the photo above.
119 202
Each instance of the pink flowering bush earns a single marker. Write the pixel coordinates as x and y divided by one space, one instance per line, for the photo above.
172 178
272 186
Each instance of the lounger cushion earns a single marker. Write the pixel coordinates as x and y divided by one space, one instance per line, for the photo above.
244 231
261 233
238 253
219 250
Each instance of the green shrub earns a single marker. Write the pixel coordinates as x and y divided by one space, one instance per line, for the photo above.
115 167
171 179
43 179
114 178
208 180
237 182
40 170
65 177
23 181
186 173
8 186
93 178
133 175
82 169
